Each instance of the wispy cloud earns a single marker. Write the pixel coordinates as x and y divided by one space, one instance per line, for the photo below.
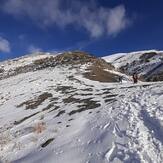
34 49
4 45
96 20
117 20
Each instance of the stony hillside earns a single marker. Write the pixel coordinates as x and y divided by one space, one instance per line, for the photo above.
96 69
148 64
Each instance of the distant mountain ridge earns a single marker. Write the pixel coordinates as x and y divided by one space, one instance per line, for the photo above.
147 64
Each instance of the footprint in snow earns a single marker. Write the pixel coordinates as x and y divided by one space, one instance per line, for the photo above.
117 131
112 152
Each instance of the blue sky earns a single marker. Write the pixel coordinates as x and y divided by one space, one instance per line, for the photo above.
100 27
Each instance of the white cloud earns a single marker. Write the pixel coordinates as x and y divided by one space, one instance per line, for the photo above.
117 20
96 20
4 45
34 49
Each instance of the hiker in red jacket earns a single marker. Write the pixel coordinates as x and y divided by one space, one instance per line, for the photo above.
135 78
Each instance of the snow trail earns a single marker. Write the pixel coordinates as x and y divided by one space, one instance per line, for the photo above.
144 132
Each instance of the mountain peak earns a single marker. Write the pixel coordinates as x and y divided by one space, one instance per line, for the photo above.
94 68
75 57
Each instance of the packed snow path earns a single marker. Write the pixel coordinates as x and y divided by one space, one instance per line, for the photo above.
142 106
65 118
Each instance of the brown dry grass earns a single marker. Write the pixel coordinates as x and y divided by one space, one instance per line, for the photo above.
99 74
39 127
34 103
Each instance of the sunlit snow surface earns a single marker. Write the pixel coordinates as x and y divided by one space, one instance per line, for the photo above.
55 115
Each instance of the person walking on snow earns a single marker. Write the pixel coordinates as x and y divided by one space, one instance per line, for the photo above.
135 78
120 79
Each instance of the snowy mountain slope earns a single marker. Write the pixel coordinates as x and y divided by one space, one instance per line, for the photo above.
148 64
23 64
114 57
56 114
23 61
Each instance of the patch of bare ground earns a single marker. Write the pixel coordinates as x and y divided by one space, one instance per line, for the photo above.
22 94
71 119
55 108
111 100
110 96
60 113
106 92
47 142
89 85
33 80
107 89
156 77
48 107
144 86
34 103
54 99
98 73
71 99
86 104
72 78
2 98
147 56
84 94
65 89
99 94
25 118
87 89
1 70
